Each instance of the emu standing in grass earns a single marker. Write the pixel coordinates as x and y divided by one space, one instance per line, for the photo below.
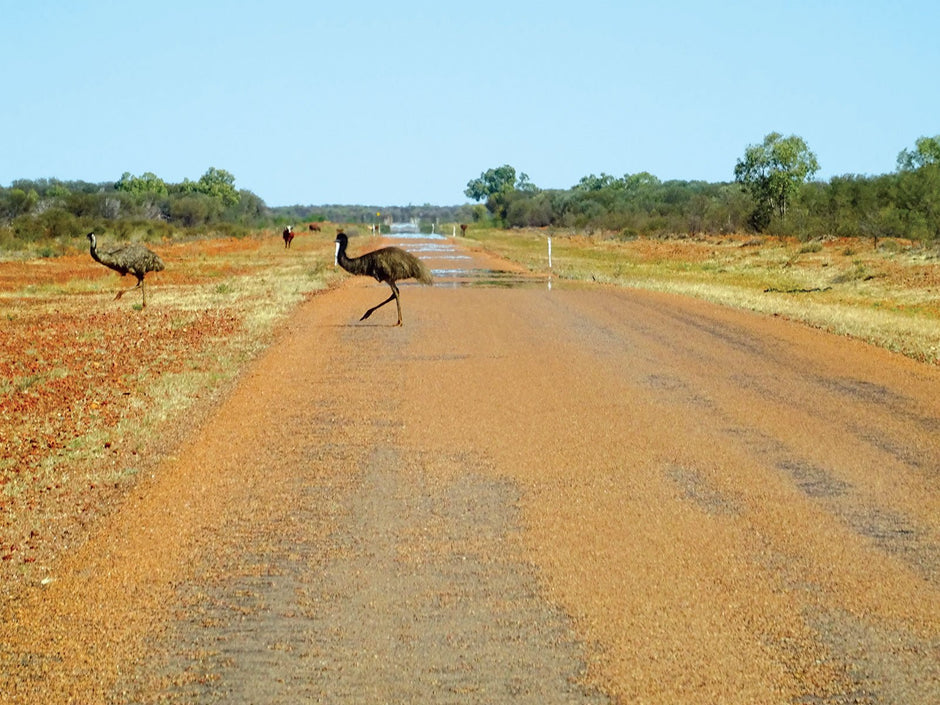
128 259
387 264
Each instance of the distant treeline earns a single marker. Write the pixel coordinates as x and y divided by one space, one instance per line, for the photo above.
49 209
424 216
772 193
905 205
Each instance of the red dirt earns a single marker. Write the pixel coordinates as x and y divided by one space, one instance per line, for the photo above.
68 370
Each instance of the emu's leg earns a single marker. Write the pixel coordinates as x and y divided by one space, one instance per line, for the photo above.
397 303
140 283
373 309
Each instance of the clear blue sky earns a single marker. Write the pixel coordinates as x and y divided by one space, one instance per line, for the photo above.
397 103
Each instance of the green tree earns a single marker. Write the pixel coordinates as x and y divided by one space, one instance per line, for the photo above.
524 185
192 210
772 173
919 188
499 188
492 182
250 210
215 183
16 202
926 151
58 190
146 183
634 183
592 182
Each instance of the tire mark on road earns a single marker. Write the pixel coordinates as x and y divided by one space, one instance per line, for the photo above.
445 608
395 577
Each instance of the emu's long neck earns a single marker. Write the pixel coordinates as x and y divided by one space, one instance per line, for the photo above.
93 249
353 265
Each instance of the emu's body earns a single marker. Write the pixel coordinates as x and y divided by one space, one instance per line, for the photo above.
128 259
387 264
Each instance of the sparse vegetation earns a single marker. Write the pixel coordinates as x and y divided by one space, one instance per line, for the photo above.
89 383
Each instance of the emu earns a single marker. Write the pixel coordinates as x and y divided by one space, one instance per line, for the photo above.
387 264
128 259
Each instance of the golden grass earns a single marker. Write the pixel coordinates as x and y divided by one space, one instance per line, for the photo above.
887 295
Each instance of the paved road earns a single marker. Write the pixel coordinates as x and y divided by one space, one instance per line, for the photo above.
526 494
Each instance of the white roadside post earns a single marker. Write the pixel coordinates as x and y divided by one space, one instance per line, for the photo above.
549 262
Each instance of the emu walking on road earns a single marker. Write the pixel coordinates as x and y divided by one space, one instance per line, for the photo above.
387 264
128 259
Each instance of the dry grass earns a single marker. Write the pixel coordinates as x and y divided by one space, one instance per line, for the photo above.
887 295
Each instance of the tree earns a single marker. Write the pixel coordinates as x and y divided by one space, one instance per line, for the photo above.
146 183
215 183
192 210
499 187
531 209
772 173
595 183
926 151
919 188
16 202
491 183
525 186
250 209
